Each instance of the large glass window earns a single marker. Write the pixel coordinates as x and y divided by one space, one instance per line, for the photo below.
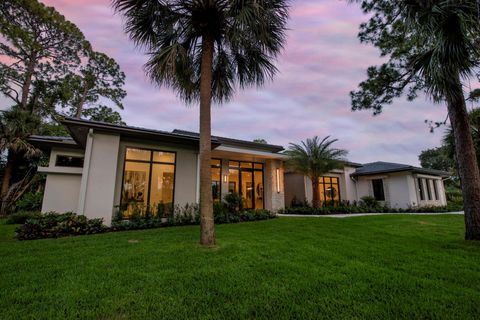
329 189
246 178
216 179
148 181
378 192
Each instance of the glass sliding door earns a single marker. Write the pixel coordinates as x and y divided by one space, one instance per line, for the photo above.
247 188
258 190
246 178
148 182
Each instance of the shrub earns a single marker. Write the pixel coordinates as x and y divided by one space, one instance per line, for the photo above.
369 201
30 201
54 225
233 202
22 216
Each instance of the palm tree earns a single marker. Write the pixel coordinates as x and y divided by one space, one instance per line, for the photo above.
15 127
450 31
314 158
203 49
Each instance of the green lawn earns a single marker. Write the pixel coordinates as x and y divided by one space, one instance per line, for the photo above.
305 268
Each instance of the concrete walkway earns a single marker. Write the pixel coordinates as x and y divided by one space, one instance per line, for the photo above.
351 215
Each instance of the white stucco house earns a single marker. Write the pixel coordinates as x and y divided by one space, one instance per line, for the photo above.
103 167
398 185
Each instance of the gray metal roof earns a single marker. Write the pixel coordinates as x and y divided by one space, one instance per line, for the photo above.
78 128
387 167
235 142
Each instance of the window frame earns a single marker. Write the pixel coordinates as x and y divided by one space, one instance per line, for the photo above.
220 166
239 170
151 163
322 184
69 156
383 189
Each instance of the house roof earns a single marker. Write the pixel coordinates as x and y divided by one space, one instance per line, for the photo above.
79 128
235 142
388 167
46 142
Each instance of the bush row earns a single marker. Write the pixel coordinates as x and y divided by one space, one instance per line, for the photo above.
366 205
54 225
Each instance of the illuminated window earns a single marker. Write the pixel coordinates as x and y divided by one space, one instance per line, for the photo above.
329 189
148 181
216 179
246 178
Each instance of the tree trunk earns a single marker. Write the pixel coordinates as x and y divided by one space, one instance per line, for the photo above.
82 101
28 81
467 162
315 193
7 177
207 227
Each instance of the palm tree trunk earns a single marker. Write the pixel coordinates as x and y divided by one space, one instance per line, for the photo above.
466 161
207 227
7 177
316 193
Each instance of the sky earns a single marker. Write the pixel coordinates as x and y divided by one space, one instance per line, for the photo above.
322 62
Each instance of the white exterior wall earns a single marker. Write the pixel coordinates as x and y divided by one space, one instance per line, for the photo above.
274 199
97 189
61 193
62 185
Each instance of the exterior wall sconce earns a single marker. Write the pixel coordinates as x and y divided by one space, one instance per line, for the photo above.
278 179
225 177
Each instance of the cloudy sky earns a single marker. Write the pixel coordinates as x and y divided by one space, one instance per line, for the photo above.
322 62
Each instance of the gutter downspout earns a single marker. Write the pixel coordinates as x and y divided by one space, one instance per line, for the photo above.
85 173
197 182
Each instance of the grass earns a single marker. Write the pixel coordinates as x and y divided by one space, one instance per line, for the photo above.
362 267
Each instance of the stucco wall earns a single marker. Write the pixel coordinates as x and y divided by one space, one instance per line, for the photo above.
294 188
62 185
61 192
99 177
274 199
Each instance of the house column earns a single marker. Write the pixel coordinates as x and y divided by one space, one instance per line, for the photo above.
274 185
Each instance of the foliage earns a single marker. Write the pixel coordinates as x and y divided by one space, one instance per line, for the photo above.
54 225
313 158
47 63
233 202
260 140
15 127
366 205
436 158
368 201
103 114
30 201
21 217
248 35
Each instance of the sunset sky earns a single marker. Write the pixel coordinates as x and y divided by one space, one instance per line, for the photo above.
322 62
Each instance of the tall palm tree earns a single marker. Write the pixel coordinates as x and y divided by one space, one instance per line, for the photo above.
450 31
314 158
203 49
15 127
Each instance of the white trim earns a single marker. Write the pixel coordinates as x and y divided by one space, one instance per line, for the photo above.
197 180
61 170
262 154
86 169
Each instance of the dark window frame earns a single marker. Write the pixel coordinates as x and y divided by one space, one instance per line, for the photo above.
239 169
212 166
323 188
151 163
69 164
375 184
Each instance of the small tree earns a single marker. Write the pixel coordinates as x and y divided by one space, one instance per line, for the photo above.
314 158
203 49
